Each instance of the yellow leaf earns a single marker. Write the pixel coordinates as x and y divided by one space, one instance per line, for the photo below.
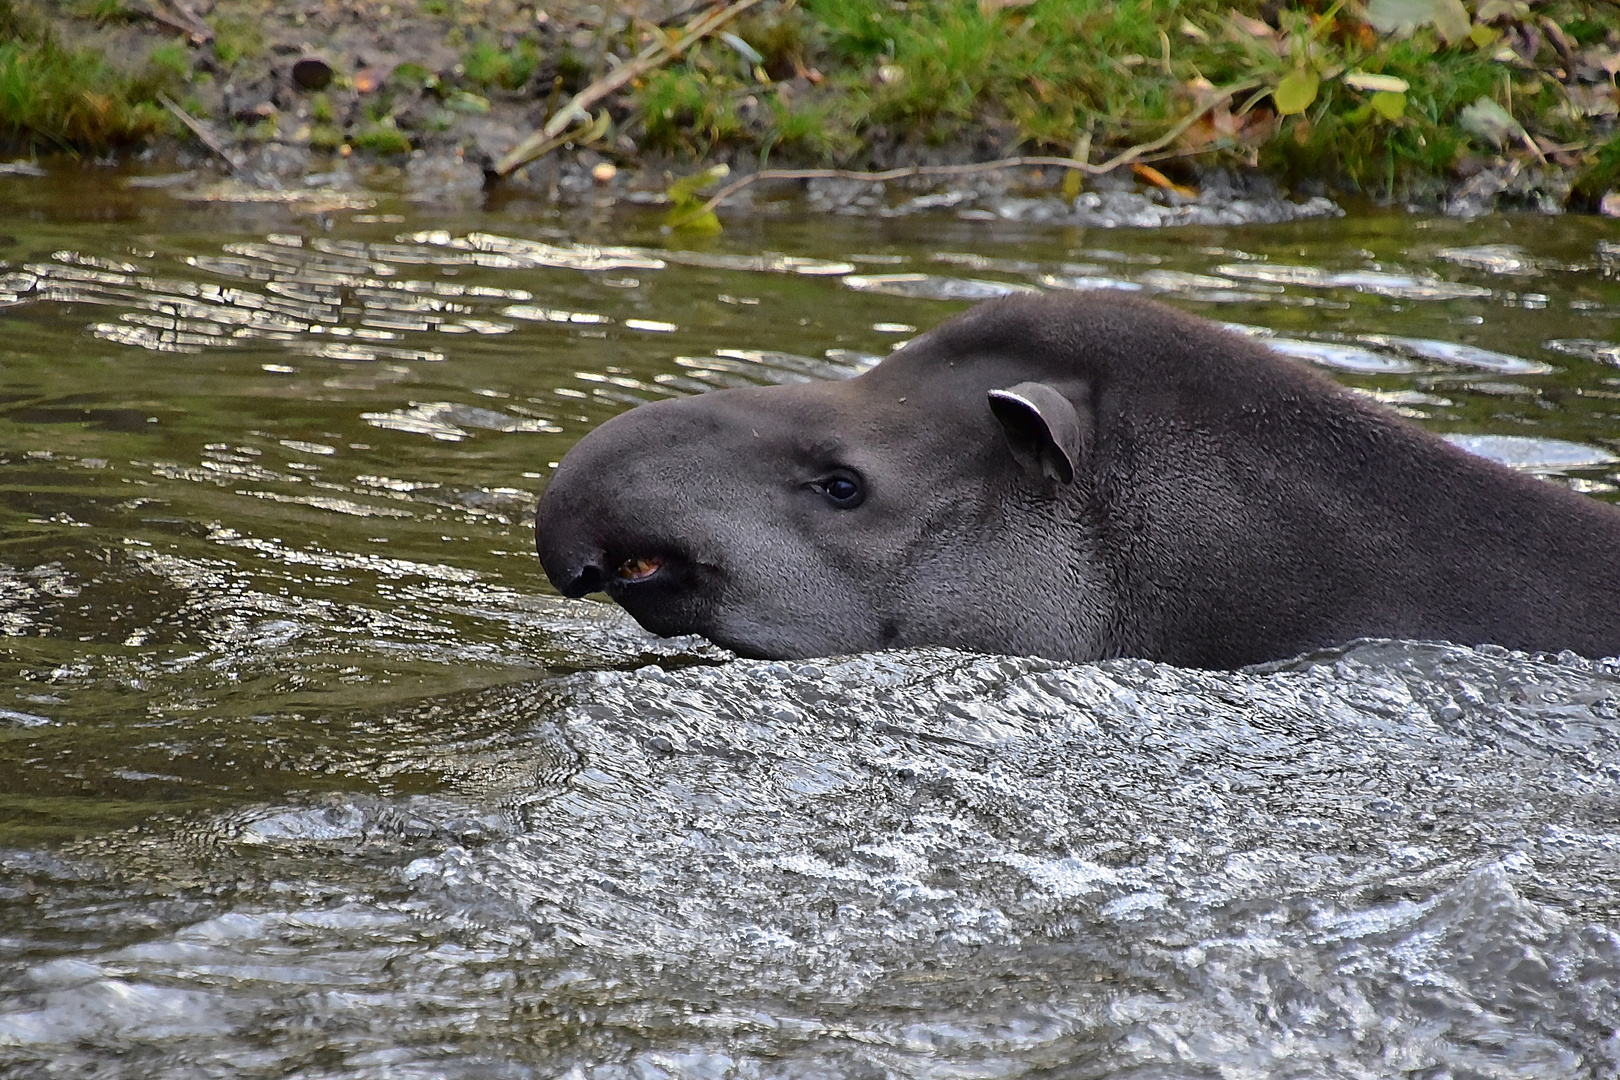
685 190
1388 104
1482 35
705 222
1295 92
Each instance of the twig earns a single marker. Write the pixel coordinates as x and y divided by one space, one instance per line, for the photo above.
204 136
184 20
578 107
1124 157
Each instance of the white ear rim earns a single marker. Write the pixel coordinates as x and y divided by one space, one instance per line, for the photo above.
1042 428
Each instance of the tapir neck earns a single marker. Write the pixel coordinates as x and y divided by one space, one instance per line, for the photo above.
1393 533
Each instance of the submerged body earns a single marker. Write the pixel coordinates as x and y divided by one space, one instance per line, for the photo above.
1075 476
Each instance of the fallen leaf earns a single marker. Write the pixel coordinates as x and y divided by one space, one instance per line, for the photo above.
1401 17
1490 121
1249 25
1159 180
1362 80
1452 21
1491 10
1295 92
1389 104
1596 100
467 102
368 79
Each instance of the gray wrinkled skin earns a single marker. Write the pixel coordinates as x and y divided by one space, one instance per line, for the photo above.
1227 507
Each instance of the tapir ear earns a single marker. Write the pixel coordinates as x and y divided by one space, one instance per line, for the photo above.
1042 428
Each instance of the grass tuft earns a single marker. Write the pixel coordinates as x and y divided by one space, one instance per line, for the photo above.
53 97
488 67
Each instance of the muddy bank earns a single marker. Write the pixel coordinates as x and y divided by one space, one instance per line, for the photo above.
430 98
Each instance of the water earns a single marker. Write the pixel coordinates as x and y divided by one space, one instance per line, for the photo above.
305 771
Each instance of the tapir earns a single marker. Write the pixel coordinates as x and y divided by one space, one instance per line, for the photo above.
1075 476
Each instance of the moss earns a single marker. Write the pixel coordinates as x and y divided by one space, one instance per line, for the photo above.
172 58
325 137
1599 174
412 77
381 138
237 39
105 11
488 67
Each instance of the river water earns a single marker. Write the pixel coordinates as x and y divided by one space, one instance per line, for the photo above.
305 771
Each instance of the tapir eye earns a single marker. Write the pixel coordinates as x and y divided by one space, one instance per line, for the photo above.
842 489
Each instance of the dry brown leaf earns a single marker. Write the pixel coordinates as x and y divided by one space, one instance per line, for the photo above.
1250 25
369 79
1159 180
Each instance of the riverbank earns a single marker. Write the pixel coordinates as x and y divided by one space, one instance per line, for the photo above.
1436 103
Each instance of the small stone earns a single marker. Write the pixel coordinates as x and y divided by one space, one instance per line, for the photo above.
1609 205
604 172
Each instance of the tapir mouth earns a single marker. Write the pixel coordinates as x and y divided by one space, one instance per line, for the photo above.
638 568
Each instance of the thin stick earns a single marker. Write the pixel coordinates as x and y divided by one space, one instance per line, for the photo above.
184 20
658 53
1124 157
205 136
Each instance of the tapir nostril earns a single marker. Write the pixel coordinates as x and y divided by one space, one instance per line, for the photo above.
587 579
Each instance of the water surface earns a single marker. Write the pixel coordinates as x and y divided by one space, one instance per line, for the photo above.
304 770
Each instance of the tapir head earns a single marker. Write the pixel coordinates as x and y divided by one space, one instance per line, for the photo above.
932 500
1074 476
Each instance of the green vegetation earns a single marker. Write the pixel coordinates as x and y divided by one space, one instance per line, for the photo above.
1371 96
1381 95
487 67
172 59
236 39
382 137
55 97
325 138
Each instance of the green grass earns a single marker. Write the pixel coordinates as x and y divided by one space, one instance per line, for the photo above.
173 59
381 138
1039 78
854 82
237 39
487 67
690 108
57 98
